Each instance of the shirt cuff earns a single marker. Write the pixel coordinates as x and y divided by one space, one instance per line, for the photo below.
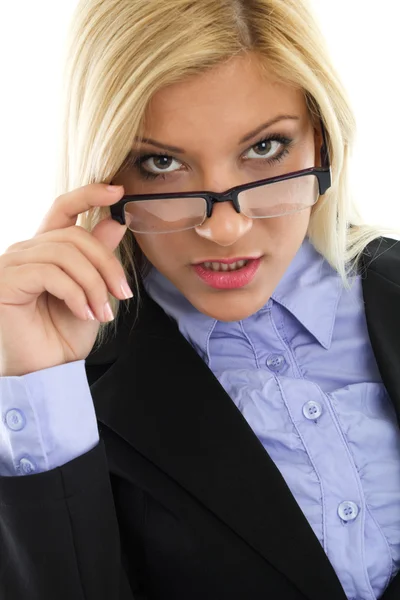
47 419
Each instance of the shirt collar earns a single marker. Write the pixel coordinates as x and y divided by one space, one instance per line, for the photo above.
310 290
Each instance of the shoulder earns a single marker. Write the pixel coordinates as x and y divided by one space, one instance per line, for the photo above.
382 256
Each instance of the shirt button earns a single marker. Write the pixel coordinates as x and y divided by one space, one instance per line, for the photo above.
275 362
348 511
26 466
15 419
312 410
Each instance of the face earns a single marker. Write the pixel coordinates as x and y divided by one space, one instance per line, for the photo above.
207 118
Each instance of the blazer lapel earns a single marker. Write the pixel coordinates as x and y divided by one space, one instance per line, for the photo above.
162 399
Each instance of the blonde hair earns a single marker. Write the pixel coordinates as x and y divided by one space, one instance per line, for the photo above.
120 52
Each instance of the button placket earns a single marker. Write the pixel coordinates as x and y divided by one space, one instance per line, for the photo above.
326 446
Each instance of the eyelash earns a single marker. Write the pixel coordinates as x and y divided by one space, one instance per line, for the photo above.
137 161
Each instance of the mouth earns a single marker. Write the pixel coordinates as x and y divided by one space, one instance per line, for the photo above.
225 265
228 274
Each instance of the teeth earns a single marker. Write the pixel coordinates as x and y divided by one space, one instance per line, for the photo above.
216 266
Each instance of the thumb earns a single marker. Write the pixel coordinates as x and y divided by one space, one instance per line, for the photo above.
109 232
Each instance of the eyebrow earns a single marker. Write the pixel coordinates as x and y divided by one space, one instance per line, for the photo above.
246 138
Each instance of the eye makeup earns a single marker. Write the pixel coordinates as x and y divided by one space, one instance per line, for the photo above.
135 161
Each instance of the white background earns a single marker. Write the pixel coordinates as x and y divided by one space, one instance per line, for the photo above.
365 45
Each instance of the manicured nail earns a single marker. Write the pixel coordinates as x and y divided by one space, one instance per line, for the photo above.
126 290
89 314
108 313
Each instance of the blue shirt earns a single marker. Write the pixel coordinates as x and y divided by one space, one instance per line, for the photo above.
302 372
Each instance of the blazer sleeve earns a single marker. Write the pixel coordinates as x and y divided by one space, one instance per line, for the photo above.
59 534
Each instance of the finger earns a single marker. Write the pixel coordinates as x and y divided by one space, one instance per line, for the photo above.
73 246
95 283
31 280
109 232
66 208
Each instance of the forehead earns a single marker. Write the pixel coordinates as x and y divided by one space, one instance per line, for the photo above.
233 97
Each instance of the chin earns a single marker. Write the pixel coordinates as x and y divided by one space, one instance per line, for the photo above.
229 306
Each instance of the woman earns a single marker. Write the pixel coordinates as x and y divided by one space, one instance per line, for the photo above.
232 432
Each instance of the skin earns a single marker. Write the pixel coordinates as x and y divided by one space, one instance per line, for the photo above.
207 116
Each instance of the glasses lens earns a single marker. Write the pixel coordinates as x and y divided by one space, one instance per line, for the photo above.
281 198
165 215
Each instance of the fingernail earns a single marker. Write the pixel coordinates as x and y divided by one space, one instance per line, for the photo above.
108 313
126 290
89 314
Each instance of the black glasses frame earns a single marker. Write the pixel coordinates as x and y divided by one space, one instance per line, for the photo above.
323 174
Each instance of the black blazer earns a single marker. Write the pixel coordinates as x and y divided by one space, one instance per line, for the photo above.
179 500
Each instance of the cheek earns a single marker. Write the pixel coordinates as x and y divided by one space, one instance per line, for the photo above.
164 251
283 235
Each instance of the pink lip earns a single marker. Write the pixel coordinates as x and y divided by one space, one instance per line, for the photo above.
229 280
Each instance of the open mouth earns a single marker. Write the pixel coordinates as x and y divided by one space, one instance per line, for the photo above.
226 276
217 266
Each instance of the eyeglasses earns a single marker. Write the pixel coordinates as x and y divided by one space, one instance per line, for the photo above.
262 199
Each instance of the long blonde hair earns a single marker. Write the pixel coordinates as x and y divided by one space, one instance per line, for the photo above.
120 52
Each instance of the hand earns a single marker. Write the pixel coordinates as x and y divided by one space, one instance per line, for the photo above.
47 282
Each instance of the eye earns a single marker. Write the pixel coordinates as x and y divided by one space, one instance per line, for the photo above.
265 149
158 163
158 166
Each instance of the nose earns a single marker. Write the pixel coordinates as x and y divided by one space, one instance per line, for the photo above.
225 226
